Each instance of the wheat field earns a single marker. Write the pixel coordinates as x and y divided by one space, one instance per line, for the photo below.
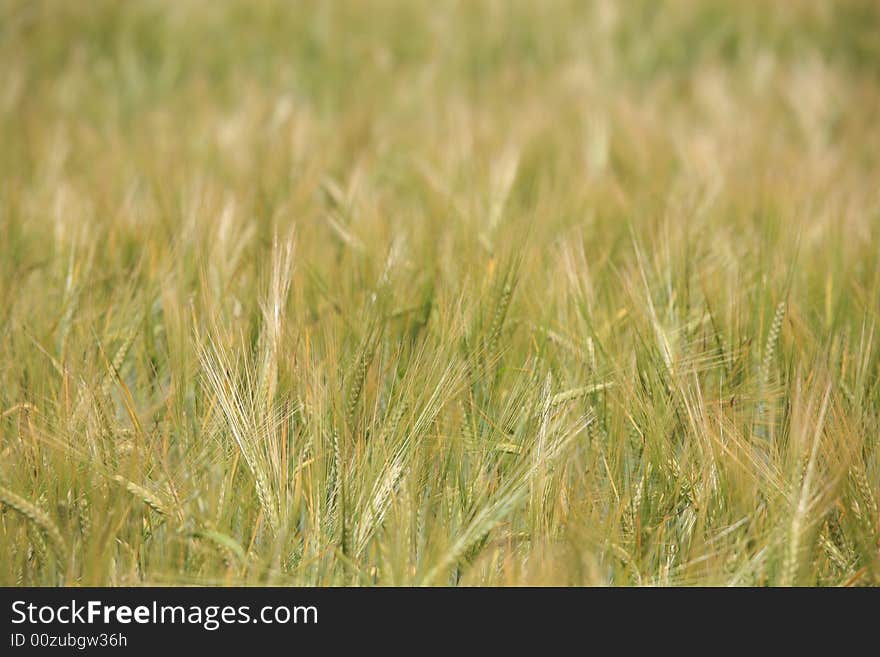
440 293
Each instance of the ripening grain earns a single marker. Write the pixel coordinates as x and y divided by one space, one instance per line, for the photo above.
443 293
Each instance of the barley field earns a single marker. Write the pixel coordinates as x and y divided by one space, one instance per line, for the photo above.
440 293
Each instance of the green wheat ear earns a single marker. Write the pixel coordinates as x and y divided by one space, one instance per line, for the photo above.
227 546
358 375
772 341
147 497
502 305
39 518
866 509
